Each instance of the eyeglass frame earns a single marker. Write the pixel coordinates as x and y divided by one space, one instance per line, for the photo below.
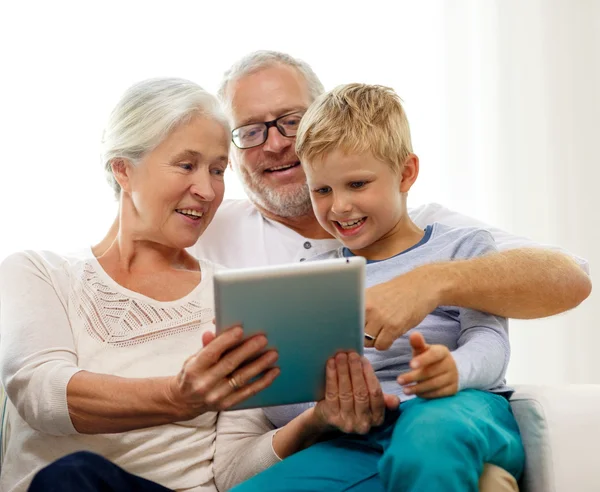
268 125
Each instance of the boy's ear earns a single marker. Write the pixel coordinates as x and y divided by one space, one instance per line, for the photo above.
121 169
409 173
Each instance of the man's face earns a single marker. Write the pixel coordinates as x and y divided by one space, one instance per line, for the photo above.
271 172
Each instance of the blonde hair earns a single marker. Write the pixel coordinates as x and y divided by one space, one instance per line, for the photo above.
356 118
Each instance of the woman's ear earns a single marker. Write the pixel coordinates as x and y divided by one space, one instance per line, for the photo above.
410 172
121 169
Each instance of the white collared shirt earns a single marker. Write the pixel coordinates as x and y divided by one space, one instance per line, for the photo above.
239 236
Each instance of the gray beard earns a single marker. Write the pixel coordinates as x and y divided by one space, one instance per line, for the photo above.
294 203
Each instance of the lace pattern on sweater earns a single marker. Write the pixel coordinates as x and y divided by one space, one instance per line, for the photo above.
114 318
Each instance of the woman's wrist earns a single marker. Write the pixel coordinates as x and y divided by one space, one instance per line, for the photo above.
172 402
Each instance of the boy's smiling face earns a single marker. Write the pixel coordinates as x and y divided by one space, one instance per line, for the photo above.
361 201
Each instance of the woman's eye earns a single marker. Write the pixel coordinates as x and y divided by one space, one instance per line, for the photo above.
357 184
218 172
187 166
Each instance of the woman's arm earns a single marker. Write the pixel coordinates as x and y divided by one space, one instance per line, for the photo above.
38 366
243 447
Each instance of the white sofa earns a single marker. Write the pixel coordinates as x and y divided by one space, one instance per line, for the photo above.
560 426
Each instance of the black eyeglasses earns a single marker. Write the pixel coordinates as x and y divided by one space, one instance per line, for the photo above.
255 134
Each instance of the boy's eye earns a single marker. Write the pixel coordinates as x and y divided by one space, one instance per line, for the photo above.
322 191
357 184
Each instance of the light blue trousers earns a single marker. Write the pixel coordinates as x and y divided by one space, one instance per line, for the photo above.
428 445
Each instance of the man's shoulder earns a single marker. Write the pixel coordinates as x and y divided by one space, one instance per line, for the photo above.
232 217
234 209
443 232
450 242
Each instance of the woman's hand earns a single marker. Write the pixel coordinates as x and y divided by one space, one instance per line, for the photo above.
434 373
354 402
221 374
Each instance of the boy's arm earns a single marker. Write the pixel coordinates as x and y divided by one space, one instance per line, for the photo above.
483 350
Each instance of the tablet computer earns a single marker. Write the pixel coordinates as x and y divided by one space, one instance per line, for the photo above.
308 312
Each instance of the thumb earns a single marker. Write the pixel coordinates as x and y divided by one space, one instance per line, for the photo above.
392 402
207 337
418 344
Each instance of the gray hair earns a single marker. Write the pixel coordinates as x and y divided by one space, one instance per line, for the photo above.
147 112
258 60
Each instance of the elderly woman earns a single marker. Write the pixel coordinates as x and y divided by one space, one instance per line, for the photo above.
116 355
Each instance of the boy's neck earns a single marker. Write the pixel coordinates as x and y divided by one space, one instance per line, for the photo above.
403 236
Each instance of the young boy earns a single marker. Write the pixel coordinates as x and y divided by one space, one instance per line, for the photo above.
355 146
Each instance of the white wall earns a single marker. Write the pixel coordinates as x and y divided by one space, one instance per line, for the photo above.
502 97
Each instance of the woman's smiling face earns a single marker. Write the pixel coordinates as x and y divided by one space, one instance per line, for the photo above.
176 188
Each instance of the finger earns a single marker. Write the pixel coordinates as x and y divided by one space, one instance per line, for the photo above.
429 385
384 339
211 354
435 354
331 387
207 337
423 373
212 375
417 342
376 399
345 394
250 349
250 390
439 393
362 403
392 402
371 331
242 377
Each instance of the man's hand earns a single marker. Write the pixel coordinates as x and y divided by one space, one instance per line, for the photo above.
433 370
354 402
396 306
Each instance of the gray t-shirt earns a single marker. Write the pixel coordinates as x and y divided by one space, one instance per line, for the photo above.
478 341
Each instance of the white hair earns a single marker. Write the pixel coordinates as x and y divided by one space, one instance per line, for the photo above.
147 112
258 60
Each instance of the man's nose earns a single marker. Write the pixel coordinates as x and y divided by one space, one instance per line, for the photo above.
276 142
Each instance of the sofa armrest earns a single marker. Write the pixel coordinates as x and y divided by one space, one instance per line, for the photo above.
560 427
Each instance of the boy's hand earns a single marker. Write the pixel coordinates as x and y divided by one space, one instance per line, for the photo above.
434 370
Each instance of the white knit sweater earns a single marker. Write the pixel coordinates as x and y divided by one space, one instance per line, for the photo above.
60 315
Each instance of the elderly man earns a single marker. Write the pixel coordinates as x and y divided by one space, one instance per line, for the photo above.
265 95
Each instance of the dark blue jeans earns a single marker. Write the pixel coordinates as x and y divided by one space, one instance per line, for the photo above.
89 472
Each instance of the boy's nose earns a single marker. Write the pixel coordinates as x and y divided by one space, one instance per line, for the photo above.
341 206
